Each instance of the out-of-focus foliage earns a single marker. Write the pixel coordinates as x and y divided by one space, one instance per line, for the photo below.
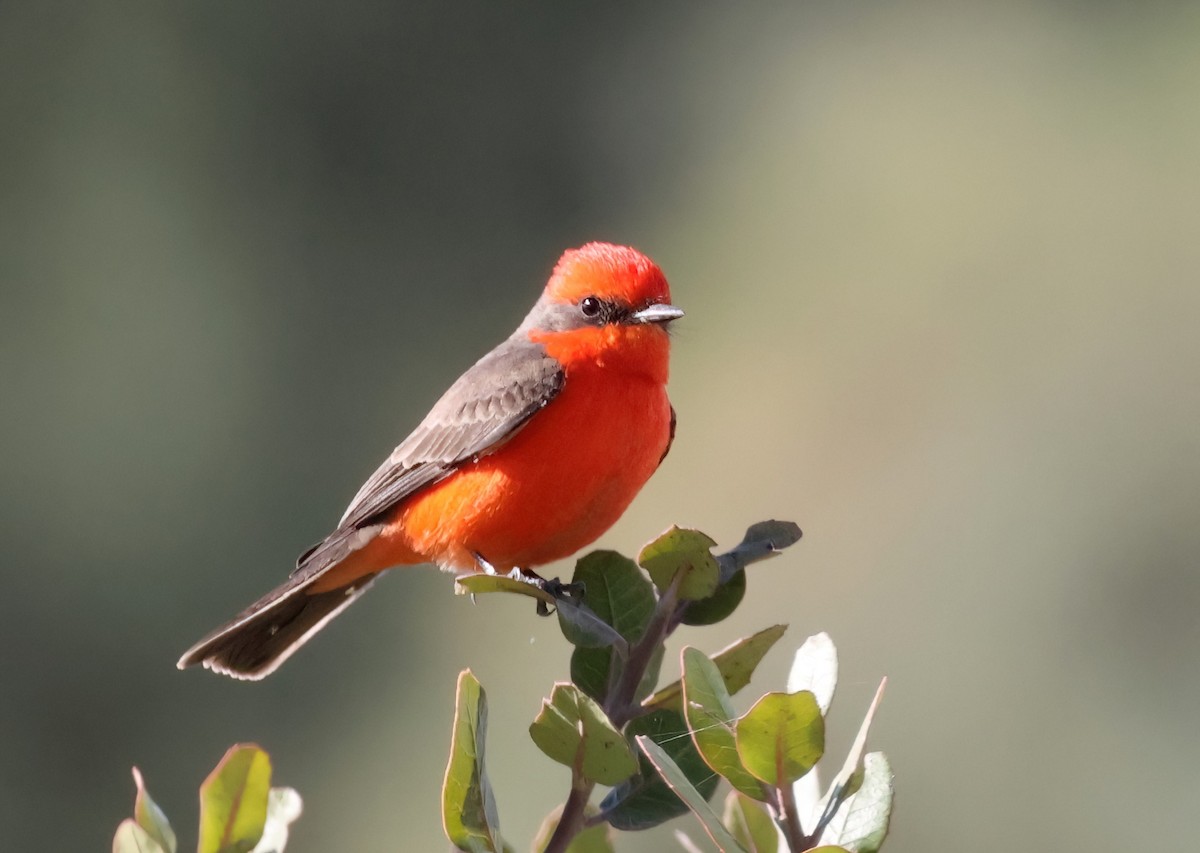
239 811
469 813
233 801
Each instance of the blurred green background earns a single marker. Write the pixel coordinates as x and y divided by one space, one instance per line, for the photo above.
940 267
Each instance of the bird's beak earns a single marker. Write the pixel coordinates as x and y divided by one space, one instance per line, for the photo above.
658 313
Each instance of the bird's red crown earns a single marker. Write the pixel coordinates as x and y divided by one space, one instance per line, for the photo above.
608 271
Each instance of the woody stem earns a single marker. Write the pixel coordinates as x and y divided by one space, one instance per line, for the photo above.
619 706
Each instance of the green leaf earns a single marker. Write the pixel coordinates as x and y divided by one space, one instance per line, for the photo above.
469 813
233 801
709 714
573 730
586 629
481 584
750 825
861 824
150 817
646 800
583 628
828 848
781 737
594 839
815 669
850 777
131 838
736 663
589 670
616 591
684 789
283 808
686 552
719 605
619 594
762 541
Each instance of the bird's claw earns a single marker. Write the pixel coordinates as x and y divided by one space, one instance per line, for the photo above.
559 589
569 592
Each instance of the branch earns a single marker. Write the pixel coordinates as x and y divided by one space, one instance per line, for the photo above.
792 829
619 706
570 822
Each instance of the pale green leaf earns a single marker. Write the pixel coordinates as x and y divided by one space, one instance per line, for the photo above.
685 553
573 730
781 737
750 825
850 777
469 814
481 584
815 669
131 838
861 824
710 716
150 817
685 791
233 801
736 664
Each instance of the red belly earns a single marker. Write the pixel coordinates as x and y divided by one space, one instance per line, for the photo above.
552 489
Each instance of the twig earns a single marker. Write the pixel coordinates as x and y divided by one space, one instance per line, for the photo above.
619 704
792 829
570 822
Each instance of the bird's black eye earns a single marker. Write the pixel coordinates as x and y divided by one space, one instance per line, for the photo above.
590 306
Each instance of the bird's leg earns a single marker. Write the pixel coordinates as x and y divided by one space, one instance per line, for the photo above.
484 566
516 573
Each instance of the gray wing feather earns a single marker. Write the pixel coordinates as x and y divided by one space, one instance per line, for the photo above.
486 406
483 409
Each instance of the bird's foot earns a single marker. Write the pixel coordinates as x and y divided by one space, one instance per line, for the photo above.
559 591
570 592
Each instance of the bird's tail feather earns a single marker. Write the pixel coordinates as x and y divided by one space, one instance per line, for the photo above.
265 634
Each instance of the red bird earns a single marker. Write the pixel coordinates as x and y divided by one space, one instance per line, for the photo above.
531 455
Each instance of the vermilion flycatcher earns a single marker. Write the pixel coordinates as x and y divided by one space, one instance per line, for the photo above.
531 455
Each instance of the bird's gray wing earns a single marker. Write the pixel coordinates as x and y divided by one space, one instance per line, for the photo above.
483 409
